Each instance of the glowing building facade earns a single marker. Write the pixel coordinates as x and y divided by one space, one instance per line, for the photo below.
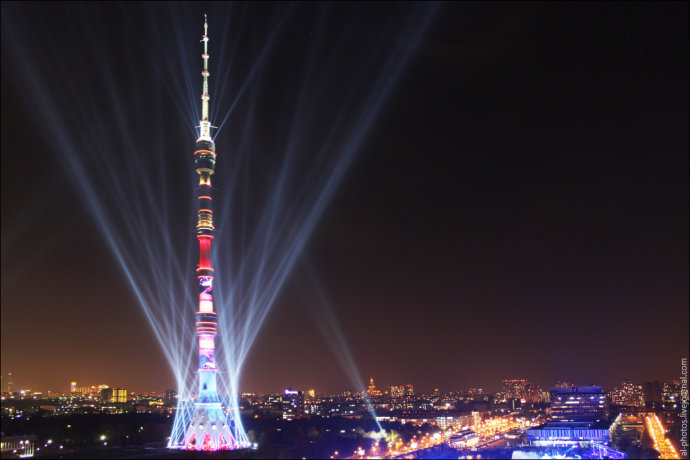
628 394
118 395
210 426
578 418
585 404
515 388
293 404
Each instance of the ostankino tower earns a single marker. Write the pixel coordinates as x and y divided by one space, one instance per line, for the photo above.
210 427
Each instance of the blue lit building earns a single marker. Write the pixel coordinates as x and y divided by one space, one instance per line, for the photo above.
292 404
578 417
578 404
554 435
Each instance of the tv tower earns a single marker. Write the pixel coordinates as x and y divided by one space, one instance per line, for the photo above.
210 426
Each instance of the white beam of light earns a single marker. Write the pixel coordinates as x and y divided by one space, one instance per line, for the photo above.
296 202
119 172
321 309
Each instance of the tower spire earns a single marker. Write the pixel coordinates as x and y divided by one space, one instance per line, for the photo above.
205 123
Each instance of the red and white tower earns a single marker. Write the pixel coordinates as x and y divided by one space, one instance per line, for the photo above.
211 427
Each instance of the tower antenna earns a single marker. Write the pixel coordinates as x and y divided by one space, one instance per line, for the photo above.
205 124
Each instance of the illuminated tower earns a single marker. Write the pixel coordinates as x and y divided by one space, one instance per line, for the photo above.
210 427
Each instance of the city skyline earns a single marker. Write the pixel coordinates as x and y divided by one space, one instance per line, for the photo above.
496 387
517 209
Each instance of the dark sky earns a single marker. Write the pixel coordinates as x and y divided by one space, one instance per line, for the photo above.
518 208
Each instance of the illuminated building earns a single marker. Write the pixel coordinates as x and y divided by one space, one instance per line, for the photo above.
628 394
550 434
311 393
464 439
409 390
461 420
292 404
578 417
397 391
118 395
371 390
82 391
210 427
10 383
515 388
578 404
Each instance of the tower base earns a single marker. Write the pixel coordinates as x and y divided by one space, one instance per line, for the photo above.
210 429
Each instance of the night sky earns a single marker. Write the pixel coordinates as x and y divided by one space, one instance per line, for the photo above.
517 209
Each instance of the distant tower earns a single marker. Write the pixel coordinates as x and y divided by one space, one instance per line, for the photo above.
210 427
371 390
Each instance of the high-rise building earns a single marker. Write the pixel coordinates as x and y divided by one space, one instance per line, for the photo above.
584 404
515 388
311 393
397 391
119 395
73 387
409 390
211 426
628 394
292 404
